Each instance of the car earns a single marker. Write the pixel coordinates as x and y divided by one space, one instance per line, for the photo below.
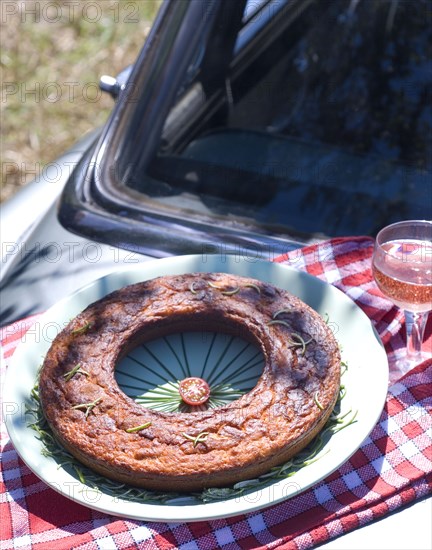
258 132
244 127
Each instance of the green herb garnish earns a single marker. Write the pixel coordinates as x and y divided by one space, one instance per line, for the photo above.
278 322
200 438
77 369
225 292
295 339
138 428
298 341
317 402
81 330
87 406
280 311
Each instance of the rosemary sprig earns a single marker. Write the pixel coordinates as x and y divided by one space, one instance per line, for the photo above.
136 429
299 341
77 369
230 292
339 423
87 406
200 438
342 391
278 322
80 474
82 330
166 398
317 402
280 311
225 292
295 339
35 394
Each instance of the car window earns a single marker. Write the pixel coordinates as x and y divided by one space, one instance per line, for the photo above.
318 121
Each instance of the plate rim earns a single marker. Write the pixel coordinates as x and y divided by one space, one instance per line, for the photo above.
203 511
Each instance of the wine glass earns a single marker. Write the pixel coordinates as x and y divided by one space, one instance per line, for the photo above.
402 268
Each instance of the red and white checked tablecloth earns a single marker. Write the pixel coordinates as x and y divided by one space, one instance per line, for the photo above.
392 468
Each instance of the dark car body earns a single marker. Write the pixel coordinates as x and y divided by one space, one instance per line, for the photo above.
285 121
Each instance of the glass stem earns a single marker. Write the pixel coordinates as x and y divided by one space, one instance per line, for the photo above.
415 324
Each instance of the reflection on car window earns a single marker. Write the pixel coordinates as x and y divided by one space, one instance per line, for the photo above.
358 78
323 119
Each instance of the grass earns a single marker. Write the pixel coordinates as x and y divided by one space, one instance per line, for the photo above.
53 54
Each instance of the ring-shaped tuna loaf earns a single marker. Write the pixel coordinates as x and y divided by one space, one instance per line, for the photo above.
288 406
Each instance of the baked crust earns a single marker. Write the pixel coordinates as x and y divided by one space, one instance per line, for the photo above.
245 438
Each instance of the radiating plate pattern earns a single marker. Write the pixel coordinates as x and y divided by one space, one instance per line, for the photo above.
150 373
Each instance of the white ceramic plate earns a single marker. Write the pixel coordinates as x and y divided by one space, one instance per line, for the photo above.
365 382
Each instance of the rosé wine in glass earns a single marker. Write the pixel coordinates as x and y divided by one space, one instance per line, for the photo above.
403 272
402 268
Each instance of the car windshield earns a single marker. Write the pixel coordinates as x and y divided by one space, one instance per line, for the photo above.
309 117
